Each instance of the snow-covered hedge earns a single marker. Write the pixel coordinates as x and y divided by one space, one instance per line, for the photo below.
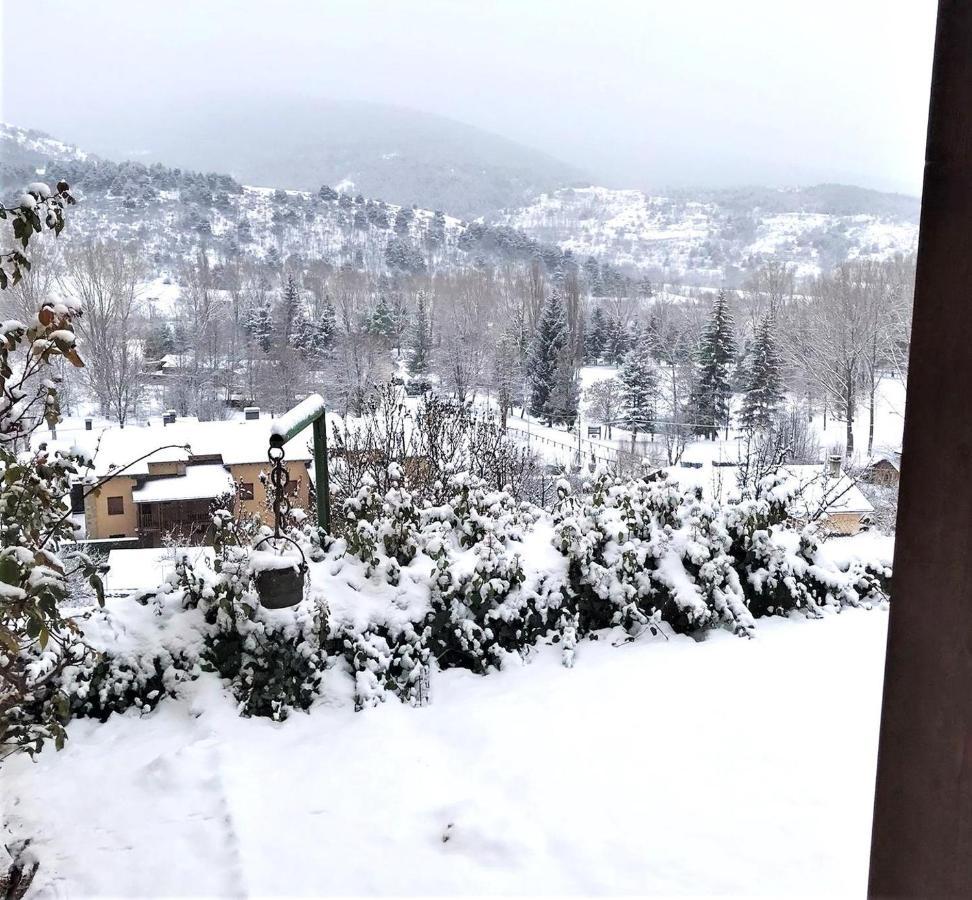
643 552
470 580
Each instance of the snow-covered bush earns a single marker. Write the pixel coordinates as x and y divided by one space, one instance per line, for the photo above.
471 581
642 551
382 660
205 620
139 662
479 611
273 660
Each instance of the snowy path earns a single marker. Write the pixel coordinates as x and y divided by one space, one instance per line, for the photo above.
729 766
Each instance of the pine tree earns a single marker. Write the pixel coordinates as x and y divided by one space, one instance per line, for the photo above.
259 324
551 337
764 381
592 274
595 336
419 361
180 337
638 385
291 313
381 322
564 397
616 340
327 324
716 353
158 342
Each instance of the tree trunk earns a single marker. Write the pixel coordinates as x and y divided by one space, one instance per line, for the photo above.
849 402
870 424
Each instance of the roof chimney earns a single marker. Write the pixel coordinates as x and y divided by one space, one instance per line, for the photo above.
833 466
251 412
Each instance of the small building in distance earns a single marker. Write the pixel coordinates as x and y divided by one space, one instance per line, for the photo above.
830 497
825 494
883 468
171 492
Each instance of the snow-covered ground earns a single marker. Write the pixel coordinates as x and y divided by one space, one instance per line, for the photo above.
724 767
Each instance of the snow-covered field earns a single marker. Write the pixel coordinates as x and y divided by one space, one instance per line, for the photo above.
723 767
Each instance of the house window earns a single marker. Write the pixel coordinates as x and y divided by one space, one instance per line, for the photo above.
116 506
246 490
291 488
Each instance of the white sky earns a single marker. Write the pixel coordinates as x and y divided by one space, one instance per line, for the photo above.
637 92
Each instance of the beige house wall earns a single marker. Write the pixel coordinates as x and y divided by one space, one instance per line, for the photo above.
843 523
98 523
250 473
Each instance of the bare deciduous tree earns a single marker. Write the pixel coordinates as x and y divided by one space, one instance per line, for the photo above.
105 278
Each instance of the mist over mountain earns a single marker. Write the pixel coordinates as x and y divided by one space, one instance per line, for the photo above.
399 155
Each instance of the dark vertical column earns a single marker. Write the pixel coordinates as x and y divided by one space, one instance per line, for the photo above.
322 473
922 838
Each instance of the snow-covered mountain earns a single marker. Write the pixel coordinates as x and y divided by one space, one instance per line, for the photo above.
401 155
713 236
26 145
700 237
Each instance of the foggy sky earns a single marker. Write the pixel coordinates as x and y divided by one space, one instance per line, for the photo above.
648 93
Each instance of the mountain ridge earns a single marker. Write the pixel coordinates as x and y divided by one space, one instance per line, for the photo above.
392 153
705 238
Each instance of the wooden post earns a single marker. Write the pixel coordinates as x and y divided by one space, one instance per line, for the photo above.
321 474
922 835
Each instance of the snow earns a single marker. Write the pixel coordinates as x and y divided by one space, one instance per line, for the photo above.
310 406
660 767
144 569
199 482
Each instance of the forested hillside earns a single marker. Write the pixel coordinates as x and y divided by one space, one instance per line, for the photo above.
402 155
716 237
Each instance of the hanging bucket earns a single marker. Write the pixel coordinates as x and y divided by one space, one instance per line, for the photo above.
281 586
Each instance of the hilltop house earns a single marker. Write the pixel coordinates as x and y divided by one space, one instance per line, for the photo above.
171 491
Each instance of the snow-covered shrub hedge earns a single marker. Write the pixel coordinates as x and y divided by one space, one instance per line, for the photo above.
471 579
642 551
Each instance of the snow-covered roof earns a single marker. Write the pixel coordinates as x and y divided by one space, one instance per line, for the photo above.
833 495
175 360
234 442
199 483
818 489
889 456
